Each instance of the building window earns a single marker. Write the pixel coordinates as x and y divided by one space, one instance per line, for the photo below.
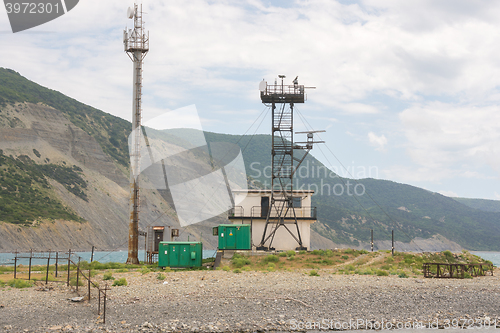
297 202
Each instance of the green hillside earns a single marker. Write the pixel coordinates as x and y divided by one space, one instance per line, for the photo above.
481 204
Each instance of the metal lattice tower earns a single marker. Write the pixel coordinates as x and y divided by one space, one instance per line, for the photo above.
281 213
136 43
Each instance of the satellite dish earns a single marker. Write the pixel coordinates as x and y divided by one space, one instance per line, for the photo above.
262 85
130 13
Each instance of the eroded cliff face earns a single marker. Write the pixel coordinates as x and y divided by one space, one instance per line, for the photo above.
27 128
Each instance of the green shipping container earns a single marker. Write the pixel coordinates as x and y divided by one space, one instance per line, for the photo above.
234 236
180 254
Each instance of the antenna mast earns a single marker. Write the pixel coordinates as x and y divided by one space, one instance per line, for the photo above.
136 43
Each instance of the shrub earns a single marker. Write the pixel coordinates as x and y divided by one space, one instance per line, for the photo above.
72 282
282 254
18 283
145 270
236 256
403 275
226 268
447 253
122 270
349 268
291 258
382 273
237 271
302 252
467 275
290 253
328 253
348 251
240 262
271 258
317 252
345 257
313 273
160 276
120 282
327 262
108 276
389 260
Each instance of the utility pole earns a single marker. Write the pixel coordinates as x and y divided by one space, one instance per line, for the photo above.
136 43
392 250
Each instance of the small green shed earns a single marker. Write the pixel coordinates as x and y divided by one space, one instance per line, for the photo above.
180 254
234 236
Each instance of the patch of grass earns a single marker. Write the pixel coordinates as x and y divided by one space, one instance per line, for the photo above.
382 273
290 253
120 282
237 271
226 268
145 270
403 275
108 276
302 252
345 257
160 276
18 283
349 268
240 262
313 273
282 254
271 258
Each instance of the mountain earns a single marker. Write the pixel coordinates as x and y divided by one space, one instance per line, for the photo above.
481 204
64 183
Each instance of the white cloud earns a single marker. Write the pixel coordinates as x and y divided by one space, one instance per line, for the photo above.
378 141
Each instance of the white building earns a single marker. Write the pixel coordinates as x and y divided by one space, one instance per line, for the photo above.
252 207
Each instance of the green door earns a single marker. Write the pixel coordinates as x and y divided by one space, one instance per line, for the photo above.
185 255
174 255
231 238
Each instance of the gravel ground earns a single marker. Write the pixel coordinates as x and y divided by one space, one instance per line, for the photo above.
200 301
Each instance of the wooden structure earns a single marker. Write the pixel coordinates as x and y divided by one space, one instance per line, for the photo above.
455 271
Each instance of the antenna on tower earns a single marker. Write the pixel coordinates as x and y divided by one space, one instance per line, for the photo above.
136 44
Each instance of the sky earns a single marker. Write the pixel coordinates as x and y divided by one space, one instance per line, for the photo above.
406 90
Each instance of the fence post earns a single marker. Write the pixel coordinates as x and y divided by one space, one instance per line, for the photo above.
69 264
77 273
89 284
15 265
57 259
47 273
29 266
105 294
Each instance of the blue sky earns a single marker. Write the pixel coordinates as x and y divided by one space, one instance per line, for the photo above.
407 88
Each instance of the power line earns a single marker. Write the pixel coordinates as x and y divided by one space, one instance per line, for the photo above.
376 203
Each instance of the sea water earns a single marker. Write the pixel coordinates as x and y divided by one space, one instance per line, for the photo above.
103 257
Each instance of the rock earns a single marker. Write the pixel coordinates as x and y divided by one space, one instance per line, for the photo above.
77 299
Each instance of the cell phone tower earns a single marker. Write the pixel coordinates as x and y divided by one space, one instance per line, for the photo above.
281 213
136 43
